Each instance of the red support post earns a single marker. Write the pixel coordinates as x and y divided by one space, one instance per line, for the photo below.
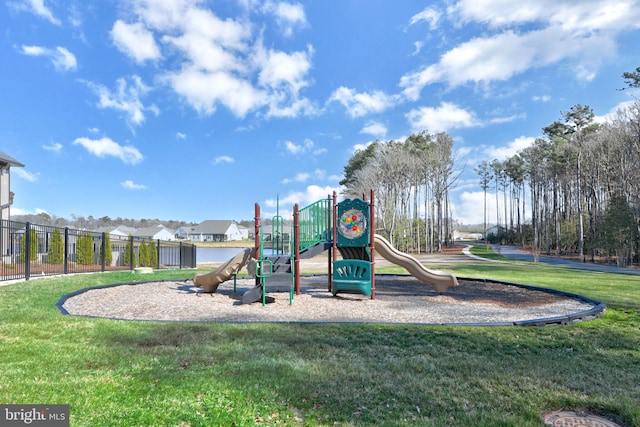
372 244
334 231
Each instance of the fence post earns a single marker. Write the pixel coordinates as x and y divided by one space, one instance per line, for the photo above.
180 256
27 251
157 254
132 259
66 250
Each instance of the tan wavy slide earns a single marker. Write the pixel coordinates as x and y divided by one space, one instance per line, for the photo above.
210 281
440 281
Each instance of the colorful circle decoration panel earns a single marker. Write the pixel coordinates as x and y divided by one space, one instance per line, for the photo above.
353 224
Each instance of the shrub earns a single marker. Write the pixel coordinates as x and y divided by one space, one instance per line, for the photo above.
108 252
84 252
126 257
153 254
55 255
33 249
143 258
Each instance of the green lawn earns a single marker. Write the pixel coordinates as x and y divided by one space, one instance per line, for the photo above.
121 373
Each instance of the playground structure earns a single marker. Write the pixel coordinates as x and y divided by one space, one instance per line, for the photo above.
209 282
345 230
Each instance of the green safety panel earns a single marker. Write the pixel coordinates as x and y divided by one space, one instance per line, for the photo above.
353 223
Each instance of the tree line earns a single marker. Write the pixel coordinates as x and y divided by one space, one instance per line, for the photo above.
581 179
411 180
81 222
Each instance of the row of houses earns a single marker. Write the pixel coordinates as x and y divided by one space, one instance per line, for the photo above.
213 230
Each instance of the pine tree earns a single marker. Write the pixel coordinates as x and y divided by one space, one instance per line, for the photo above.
108 251
144 253
126 256
153 254
85 249
56 248
33 250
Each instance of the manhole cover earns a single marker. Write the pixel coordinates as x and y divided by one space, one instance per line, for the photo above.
574 419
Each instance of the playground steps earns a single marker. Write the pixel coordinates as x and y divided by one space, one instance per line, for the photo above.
281 279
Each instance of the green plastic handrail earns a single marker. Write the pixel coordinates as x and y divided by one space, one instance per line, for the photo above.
315 223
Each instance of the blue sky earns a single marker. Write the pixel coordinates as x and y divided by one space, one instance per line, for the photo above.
194 110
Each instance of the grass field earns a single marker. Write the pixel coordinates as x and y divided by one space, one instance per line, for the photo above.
121 373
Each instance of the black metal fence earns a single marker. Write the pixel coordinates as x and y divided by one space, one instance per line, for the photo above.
38 250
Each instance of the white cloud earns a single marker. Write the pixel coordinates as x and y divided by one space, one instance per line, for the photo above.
130 185
222 61
60 57
283 76
300 177
55 147
567 14
507 119
428 15
204 90
524 35
441 119
106 147
181 135
375 129
126 98
613 113
361 104
541 98
64 60
510 149
306 146
418 47
27 176
36 7
311 194
319 174
358 147
279 68
223 159
470 208
135 41
289 16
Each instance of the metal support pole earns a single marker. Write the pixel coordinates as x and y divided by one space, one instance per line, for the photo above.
256 222
103 255
66 250
27 251
132 254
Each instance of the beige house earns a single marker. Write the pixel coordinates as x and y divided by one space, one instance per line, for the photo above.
6 196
